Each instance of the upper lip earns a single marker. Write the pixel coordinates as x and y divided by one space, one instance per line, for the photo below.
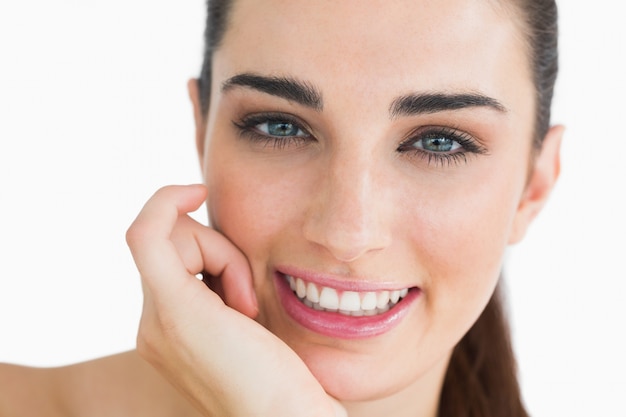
341 282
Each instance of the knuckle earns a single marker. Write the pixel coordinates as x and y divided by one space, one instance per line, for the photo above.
165 190
136 233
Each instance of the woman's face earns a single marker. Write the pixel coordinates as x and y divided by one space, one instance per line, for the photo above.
367 147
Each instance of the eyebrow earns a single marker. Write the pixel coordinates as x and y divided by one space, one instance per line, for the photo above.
286 87
413 104
424 103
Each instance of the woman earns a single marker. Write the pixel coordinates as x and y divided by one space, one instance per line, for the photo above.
378 160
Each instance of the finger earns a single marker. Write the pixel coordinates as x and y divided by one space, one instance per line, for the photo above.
205 250
149 235
169 247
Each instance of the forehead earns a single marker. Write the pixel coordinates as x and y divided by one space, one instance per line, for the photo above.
377 47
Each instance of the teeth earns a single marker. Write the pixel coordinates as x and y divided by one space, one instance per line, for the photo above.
350 303
312 293
382 299
300 288
368 302
329 299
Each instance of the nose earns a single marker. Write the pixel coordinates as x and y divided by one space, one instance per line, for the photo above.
347 215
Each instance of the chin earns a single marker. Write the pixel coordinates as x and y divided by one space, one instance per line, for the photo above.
353 378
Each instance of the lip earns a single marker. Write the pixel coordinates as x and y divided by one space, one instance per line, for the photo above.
338 325
339 282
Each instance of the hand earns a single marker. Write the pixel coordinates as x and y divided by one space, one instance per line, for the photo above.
224 362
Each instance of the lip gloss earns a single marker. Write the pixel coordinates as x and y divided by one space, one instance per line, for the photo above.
337 325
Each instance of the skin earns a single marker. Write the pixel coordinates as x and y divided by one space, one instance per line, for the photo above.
340 204
345 201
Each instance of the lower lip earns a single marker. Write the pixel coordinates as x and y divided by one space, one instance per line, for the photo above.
338 325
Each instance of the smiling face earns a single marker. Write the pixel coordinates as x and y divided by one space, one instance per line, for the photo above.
362 149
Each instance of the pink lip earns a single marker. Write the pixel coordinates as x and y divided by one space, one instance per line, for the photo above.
338 282
337 325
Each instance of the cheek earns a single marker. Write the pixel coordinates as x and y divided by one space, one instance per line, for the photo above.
256 206
459 243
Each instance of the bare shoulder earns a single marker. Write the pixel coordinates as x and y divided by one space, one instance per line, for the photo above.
118 385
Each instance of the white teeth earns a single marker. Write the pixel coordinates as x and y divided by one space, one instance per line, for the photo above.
382 299
300 288
369 301
329 299
312 293
350 303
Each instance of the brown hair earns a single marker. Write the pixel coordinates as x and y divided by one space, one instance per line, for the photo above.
481 380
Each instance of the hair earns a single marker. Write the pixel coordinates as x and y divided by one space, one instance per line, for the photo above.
216 25
539 25
481 379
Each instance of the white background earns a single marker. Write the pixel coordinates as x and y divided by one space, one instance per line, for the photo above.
94 117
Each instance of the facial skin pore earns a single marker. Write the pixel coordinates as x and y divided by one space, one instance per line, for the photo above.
355 194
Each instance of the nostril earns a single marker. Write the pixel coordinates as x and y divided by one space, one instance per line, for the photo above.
347 241
348 253
346 248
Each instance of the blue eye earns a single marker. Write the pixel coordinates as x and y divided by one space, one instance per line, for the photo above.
441 145
274 131
437 144
280 128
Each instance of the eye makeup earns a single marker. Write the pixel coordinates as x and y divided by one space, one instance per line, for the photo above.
439 146
274 130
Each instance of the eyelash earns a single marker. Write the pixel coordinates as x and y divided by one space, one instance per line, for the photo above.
468 145
249 128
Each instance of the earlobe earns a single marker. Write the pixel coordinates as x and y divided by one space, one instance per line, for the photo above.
542 180
194 95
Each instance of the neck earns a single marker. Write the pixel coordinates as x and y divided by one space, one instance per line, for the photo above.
419 399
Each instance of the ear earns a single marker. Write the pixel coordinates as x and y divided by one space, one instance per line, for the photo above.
542 179
194 95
